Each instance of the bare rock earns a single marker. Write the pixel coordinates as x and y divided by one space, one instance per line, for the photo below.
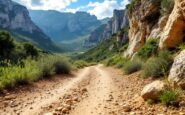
126 108
173 33
177 72
153 90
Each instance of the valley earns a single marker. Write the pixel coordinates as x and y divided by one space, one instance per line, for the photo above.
109 57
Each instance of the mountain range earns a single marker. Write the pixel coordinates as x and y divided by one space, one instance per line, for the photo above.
66 28
15 19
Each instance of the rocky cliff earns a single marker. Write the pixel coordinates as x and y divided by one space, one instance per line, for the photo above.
159 19
114 25
15 18
62 26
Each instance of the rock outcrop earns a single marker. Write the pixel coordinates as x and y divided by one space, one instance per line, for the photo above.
15 18
147 21
177 72
174 31
143 18
117 22
153 90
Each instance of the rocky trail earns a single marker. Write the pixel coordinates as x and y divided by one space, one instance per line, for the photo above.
95 90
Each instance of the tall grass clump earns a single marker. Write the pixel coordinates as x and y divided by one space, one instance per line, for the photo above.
30 70
158 66
11 76
169 97
51 65
132 66
149 49
117 61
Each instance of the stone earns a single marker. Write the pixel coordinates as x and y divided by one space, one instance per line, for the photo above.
153 90
126 108
177 73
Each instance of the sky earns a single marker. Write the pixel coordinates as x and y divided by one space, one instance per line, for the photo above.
100 8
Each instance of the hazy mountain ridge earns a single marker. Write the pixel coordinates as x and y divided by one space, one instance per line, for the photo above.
65 26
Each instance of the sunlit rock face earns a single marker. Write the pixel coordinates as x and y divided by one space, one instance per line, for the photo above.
14 16
174 31
113 26
146 21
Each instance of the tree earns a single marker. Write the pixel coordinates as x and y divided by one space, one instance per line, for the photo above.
6 44
30 50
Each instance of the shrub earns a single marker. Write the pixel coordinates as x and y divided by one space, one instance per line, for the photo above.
30 70
154 67
62 67
158 66
6 44
132 66
149 49
150 101
80 64
51 65
169 97
166 6
30 50
13 75
131 6
117 61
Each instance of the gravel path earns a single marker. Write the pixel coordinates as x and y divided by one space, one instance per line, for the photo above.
95 90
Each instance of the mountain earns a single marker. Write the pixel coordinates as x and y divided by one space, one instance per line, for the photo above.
65 27
15 18
114 25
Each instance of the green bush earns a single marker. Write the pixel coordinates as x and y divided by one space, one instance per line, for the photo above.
117 61
132 66
6 44
167 6
14 75
158 66
131 6
149 49
169 97
30 70
150 101
62 67
30 50
80 64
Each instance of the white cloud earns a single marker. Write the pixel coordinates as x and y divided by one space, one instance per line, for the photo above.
47 4
124 3
104 9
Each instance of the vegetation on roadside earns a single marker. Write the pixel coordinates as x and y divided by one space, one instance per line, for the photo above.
149 49
158 66
22 63
169 97
133 66
78 64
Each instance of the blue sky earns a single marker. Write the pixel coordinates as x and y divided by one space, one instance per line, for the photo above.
100 8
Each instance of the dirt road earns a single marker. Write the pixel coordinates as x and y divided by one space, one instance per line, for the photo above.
95 90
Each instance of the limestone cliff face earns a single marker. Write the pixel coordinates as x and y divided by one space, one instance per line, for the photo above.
146 21
15 18
174 31
116 23
143 18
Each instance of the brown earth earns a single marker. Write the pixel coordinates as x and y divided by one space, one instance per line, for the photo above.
95 90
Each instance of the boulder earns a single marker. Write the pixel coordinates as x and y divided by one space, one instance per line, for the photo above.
177 72
153 90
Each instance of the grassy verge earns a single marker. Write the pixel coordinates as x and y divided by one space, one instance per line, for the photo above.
30 70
